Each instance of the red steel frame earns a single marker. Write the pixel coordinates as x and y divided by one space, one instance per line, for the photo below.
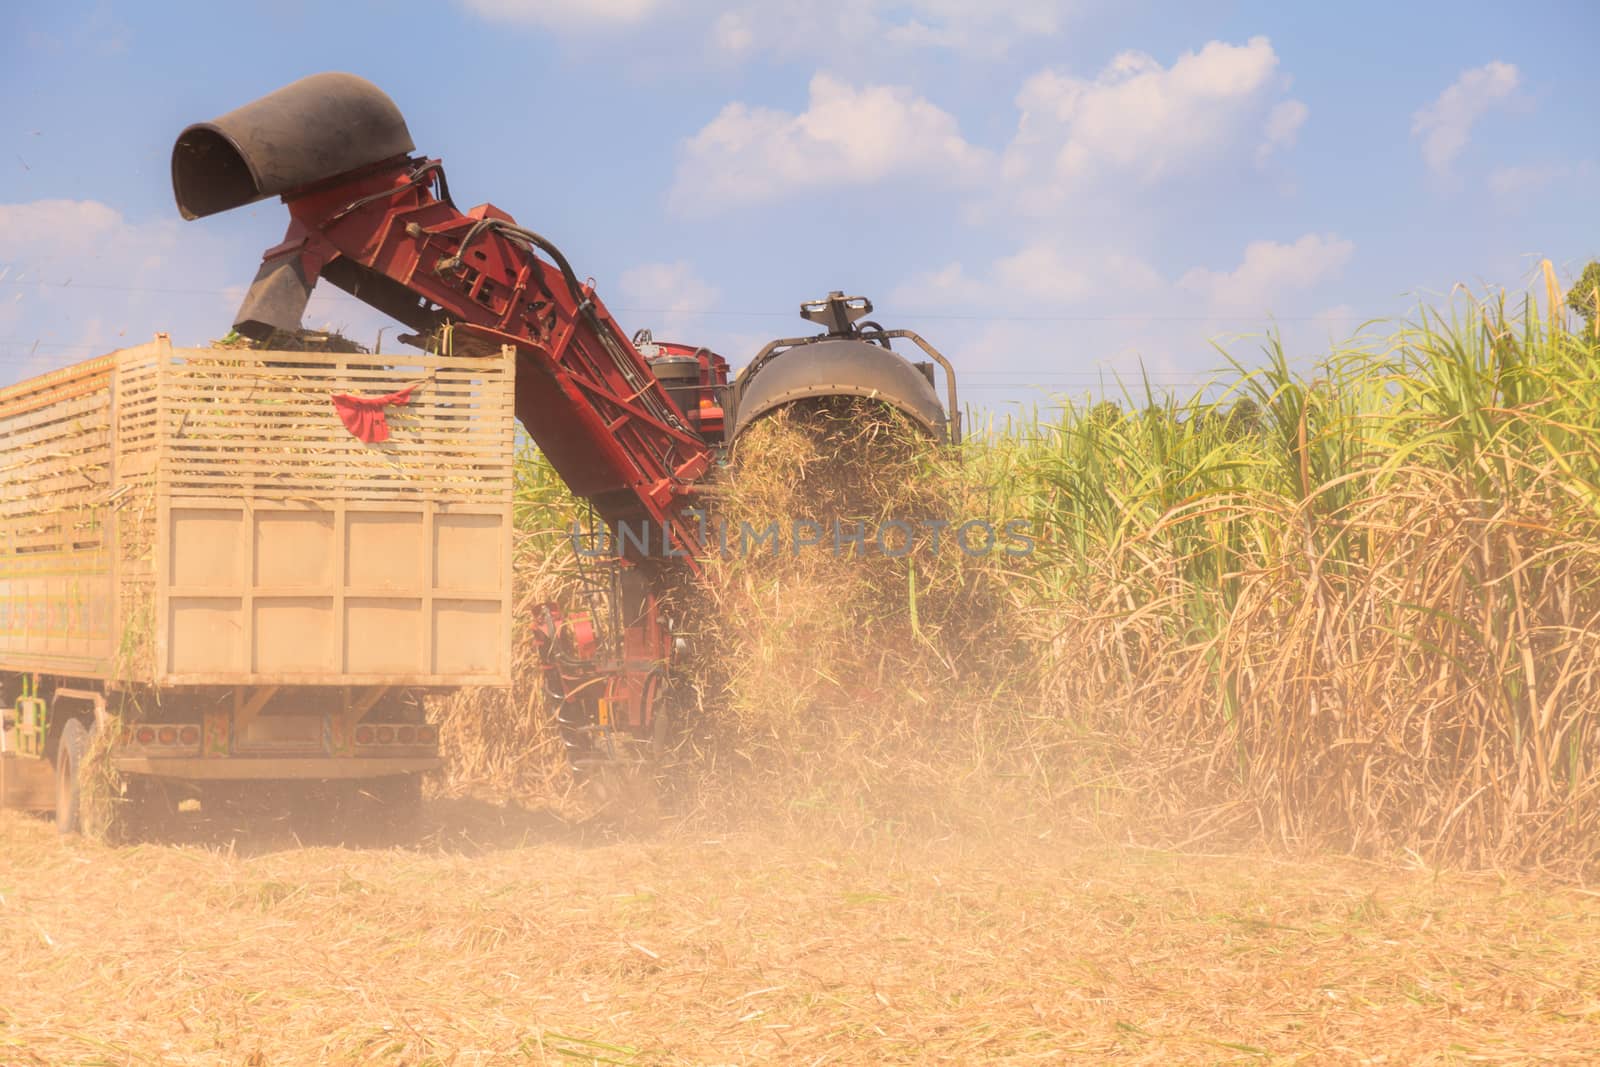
584 394
589 400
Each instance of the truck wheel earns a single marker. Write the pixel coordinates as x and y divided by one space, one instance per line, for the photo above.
70 748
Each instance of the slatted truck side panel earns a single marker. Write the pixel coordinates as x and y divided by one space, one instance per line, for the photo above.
197 536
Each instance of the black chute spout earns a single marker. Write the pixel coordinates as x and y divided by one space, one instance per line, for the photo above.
309 131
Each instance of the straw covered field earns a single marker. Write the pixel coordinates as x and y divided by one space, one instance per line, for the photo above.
508 939
1278 744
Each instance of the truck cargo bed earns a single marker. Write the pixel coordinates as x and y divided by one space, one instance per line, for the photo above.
178 516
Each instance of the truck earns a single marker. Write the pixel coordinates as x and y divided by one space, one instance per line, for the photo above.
207 571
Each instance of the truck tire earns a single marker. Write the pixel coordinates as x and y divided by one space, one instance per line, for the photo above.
70 749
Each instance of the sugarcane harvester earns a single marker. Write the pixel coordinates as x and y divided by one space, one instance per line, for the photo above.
636 431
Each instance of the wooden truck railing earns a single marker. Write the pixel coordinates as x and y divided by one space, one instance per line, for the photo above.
196 551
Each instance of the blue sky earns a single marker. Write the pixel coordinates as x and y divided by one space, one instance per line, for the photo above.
1052 191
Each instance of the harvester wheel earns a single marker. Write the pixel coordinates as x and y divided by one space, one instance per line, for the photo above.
70 749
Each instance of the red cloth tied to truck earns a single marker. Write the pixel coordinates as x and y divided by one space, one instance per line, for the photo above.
363 415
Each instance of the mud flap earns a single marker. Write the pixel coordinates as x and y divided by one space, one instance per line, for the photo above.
27 783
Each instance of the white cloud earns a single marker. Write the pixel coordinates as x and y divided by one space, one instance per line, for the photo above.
1133 125
1071 319
791 26
1045 321
567 15
1512 182
1139 122
78 278
677 304
1338 324
1270 272
1040 272
1013 363
47 245
1045 277
1445 125
949 286
733 33
54 257
803 26
666 287
1283 127
1040 275
67 229
1337 316
846 136
865 28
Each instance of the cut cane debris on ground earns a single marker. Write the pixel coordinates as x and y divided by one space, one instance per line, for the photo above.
511 940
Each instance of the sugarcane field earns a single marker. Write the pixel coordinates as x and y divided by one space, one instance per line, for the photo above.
906 533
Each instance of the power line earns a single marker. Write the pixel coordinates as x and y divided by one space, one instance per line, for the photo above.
969 381
98 287
974 378
939 316
47 344
1061 381
1127 382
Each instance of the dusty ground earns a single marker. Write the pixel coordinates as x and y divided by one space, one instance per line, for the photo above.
510 939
